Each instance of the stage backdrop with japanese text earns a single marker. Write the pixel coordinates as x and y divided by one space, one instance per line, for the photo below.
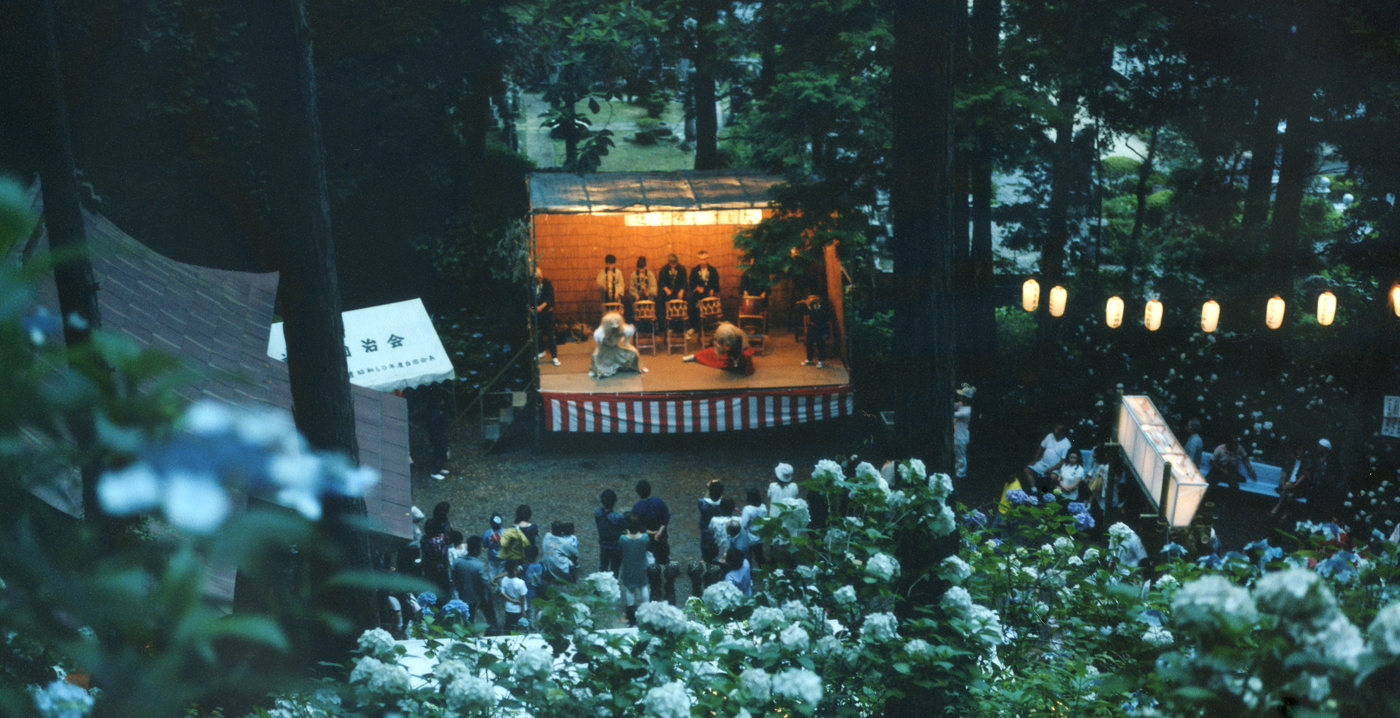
388 347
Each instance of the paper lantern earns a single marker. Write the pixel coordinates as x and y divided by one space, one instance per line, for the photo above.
1326 308
1273 314
1113 312
1030 295
1395 299
1057 301
1210 316
1152 317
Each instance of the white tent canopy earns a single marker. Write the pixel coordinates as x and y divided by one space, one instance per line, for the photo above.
388 347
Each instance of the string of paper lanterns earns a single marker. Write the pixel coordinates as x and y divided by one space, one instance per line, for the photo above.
1210 311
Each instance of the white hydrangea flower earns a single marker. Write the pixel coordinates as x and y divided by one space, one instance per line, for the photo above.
846 595
1091 554
1296 594
1158 637
919 649
534 662
757 685
985 624
954 570
1064 544
941 486
1203 602
792 513
796 611
61 699
1338 640
1120 531
196 501
882 566
662 618
897 499
944 522
132 489
721 597
765 618
828 470
374 679
1385 631
828 647
450 671
1167 582
470 693
378 643
1074 561
605 584
800 685
667 701
795 638
865 471
912 467
880 628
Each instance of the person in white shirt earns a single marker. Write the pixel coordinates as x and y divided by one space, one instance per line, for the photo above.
1043 471
783 488
514 591
642 286
1071 476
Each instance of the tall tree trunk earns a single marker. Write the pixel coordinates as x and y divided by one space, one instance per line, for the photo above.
309 295
706 120
1263 147
63 218
985 31
921 197
1052 248
1295 169
1133 255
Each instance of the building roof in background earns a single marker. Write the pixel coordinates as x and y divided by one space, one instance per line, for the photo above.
557 193
221 319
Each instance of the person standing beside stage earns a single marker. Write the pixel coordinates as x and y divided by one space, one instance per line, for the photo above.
704 283
671 283
818 330
610 281
642 287
543 310
962 417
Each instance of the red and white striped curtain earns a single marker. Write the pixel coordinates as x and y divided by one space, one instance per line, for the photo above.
693 413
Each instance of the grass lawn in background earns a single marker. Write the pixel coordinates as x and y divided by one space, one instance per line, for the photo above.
621 117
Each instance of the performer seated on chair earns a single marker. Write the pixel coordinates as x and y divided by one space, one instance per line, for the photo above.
641 287
704 283
730 351
671 283
610 281
615 352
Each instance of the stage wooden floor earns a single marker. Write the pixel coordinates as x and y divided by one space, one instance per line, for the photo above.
779 367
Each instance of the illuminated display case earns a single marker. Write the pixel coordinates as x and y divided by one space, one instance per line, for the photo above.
1150 448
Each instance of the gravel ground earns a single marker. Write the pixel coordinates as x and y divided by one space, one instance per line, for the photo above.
561 477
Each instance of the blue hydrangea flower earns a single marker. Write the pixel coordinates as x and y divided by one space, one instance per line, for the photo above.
1083 521
456 607
1021 498
975 519
427 598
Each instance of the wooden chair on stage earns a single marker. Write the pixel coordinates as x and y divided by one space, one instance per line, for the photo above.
677 315
644 317
753 321
711 314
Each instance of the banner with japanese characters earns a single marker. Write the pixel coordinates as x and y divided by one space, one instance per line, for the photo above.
388 347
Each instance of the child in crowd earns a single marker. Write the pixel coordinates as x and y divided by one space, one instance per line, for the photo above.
516 596
533 573
739 573
1072 477
633 547
491 545
719 525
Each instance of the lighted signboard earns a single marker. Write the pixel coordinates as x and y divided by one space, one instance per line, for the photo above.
1151 449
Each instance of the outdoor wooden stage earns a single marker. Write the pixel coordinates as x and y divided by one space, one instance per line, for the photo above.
684 397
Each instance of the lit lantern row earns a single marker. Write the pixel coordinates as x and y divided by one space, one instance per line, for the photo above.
1210 311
